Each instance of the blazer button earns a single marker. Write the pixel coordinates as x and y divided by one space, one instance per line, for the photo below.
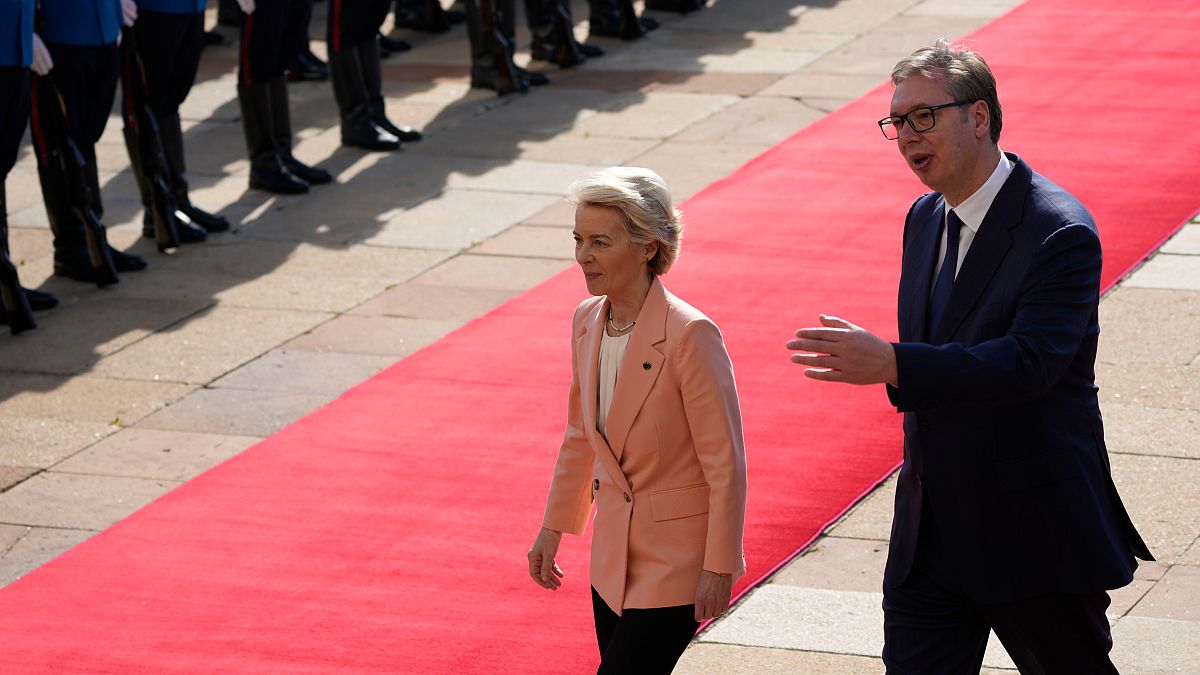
645 365
627 498
595 484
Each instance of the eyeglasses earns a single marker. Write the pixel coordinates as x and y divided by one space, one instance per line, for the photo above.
919 120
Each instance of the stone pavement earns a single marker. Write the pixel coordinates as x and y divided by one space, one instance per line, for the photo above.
125 393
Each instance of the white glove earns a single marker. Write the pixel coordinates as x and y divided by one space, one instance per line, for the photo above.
42 63
246 5
129 11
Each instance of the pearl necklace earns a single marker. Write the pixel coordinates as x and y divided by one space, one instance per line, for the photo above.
614 326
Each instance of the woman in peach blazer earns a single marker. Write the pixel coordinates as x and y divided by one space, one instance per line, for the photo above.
654 436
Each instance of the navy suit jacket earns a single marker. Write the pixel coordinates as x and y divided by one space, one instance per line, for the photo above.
1004 451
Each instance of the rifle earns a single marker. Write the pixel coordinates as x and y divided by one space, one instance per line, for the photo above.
61 168
145 145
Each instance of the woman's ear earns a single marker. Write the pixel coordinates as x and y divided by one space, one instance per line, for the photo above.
650 250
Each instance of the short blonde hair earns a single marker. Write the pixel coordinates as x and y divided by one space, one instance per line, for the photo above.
642 197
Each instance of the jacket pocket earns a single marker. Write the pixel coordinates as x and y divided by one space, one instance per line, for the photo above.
679 503
1027 473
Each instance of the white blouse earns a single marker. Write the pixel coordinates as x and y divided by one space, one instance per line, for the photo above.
612 349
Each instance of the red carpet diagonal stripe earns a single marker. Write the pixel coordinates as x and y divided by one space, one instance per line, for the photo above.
386 532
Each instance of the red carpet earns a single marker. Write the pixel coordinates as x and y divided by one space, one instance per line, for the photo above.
387 531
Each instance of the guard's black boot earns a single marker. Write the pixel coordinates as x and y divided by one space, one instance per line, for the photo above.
368 59
171 131
617 18
281 121
489 29
359 130
267 171
389 45
308 68
15 309
553 33
159 221
426 16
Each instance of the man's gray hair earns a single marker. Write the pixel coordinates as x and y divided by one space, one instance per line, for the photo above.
964 72
643 198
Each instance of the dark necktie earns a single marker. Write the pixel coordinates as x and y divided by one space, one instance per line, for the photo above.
945 278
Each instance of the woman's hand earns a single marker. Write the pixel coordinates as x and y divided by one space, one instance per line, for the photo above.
42 63
542 568
712 595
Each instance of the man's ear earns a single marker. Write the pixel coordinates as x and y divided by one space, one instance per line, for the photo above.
981 116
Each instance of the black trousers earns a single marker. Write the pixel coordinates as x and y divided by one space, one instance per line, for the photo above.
14 114
170 46
642 641
87 79
353 22
930 626
272 38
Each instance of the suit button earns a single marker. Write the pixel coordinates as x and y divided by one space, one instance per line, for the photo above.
596 484
627 498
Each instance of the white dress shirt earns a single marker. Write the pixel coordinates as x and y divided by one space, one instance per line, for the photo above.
972 211
612 349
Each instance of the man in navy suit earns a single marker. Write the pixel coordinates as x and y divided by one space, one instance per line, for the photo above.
1006 514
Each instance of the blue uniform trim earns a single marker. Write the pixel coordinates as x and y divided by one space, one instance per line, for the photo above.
84 23
16 33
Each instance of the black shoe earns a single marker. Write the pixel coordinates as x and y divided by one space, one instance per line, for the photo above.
308 68
649 23
590 51
360 131
405 133
565 57
309 174
188 233
272 176
211 222
213 39
392 44
455 16
532 77
127 262
39 301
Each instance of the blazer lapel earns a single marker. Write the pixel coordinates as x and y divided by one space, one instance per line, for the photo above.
587 350
636 379
987 251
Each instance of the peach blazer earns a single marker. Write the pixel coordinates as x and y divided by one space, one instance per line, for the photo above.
669 484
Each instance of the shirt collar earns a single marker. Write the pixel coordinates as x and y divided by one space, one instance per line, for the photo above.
973 209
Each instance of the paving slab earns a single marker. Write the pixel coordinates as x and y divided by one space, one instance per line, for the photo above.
1167 271
36 547
736 84
1185 242
559 214
458 219
1126 598
528 241
84 399
1145 646
175 456
496 272
691 167
13 475
871 518
659 115
759 121
1155 385
41 442
1143 430
837 564
817 620
1151 488
200 350
388 336
304 371
75 501
235 412
1151 326
521 175
705 658
419 301
1175 596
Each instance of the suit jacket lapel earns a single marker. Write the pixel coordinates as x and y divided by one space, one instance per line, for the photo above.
987 251
587 350
635 379
928 240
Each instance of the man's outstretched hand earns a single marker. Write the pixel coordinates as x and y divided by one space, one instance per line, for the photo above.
840 351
